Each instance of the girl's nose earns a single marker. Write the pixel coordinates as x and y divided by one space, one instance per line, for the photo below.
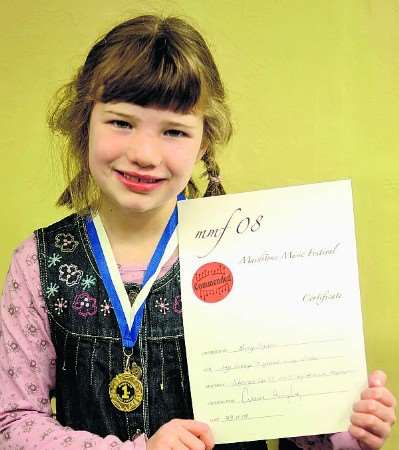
144 149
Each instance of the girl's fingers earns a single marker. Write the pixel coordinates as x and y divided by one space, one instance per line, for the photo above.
191 441
368 439
375 408
374 413
180 446
377 378
182 434
371 424
380 394
207 439
201 430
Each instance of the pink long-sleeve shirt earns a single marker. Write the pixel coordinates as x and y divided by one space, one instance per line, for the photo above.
27 369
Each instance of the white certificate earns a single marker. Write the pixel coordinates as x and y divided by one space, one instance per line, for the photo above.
271 311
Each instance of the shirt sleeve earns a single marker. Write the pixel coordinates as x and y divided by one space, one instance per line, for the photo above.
27 368
337 441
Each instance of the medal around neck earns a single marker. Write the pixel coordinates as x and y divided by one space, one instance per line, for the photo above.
126 389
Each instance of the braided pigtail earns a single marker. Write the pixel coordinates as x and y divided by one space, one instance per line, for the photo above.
79 185
212 171
191 190
77 192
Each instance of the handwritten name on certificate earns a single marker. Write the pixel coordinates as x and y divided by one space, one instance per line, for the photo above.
271 311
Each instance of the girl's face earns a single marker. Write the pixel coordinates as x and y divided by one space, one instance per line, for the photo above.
142 157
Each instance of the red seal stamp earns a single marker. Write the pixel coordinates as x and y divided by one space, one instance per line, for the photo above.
212 282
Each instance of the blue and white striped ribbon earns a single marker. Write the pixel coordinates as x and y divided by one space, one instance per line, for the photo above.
129 317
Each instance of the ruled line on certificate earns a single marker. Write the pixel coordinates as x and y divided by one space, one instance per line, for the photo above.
262 346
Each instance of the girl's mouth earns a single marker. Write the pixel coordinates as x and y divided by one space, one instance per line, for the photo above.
138 179
137 182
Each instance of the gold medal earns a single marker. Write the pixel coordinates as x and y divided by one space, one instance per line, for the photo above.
126 389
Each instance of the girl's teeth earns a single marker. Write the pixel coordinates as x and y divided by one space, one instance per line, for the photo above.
139 180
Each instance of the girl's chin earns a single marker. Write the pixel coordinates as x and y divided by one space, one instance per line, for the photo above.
141 206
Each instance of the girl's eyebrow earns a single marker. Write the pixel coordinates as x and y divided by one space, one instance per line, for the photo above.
170 123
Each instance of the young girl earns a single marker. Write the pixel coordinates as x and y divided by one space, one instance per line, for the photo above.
145 107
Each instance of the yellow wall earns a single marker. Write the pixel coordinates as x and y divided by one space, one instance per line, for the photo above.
314 86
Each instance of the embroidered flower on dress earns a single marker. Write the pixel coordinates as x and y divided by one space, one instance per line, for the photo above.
14 285
31 260
88 444
43 403
88 281
42 345
33 366
177 306
30 330
106 307
46 434
52 290
12 406
70 274
13 372
27 426
54 259
7 435
31 306
60 304
12 347
67 441
13 310
85 304
162 305
66 242
31 388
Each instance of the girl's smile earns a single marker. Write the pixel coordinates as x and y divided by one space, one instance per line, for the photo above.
142 157
137 182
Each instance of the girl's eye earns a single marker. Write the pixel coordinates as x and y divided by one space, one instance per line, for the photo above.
175 133
120 123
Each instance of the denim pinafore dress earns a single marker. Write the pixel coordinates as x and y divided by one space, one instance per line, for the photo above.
89 348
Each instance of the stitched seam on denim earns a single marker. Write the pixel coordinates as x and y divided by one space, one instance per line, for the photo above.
128 427
65 343
41 256
162 365
92 362
86 245
180 365
101 338
144 359
163 338
77 355
110 360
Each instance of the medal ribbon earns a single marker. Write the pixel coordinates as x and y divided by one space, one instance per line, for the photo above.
129 317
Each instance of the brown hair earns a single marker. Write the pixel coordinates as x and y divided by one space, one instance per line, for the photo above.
149 61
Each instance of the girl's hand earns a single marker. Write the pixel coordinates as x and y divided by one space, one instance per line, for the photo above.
374 414
180 434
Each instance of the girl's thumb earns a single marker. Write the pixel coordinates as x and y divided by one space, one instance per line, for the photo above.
377 378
